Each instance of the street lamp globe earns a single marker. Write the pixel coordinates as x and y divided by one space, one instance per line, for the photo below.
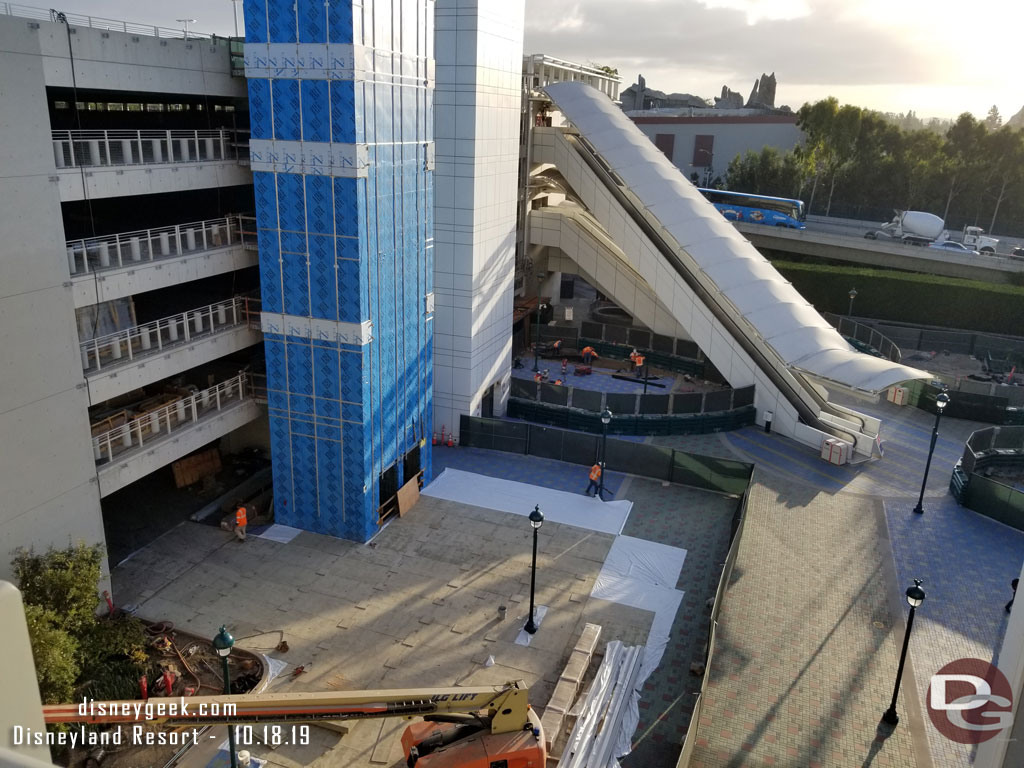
223 642
606 417
915 595
853 294
941 401
536 517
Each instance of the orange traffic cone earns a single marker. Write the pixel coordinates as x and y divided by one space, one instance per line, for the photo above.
434 441
451 440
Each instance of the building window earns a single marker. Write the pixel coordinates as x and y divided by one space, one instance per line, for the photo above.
154 107
115 107
134 107
60 105
703 151
666 142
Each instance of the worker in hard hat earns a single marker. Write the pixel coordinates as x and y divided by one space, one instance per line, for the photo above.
589 354
241 521
595 480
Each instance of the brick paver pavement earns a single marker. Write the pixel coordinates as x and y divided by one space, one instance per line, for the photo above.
807 646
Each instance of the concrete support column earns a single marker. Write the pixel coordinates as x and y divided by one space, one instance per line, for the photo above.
172 329
183 150
209 148
126 151
158 150
104 252
144 338
58 154
94 152
204 398
190 239
165 244
115 349
136 249
179 409
71 261
197 322
222 314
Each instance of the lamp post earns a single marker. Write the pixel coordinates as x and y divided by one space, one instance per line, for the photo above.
852 295
223 643
536 341
536 521
709 168
186 22
940 404
915 596
235 10
606 419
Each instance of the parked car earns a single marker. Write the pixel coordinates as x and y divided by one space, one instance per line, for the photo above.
1017 252
955 247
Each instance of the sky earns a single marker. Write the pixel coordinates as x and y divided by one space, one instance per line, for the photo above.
936 57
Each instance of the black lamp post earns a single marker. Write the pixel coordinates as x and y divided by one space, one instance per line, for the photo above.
536 520
852 295
915 596
223 644
536 341
940 404
606 419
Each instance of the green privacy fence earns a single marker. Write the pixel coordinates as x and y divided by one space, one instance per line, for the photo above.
986 450
633 424
964 405
705 472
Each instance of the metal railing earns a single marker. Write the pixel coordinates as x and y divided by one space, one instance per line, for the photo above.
72 149
125 346
97 22
95 254
152 425
866 335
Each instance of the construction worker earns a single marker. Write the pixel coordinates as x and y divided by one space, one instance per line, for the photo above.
589 354
565 365
241 521
558 381
537 377
556 347
638 361
632 359
595 480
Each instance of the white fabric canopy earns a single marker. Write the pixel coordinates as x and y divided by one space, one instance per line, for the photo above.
779 316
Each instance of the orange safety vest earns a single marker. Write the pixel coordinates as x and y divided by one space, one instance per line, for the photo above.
595 472
240 517
639 361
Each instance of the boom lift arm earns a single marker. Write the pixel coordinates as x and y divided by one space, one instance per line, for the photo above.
485 727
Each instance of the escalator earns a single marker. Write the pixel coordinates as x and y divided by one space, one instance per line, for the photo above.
749 321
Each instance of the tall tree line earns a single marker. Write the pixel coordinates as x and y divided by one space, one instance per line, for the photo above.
862 164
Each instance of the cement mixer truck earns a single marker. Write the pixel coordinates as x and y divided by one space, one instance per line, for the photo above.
910 227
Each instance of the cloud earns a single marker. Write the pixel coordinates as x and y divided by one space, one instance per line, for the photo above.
697 46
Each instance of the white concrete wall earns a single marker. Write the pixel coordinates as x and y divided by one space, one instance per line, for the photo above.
119 61
119 379
477 101
163 450
50 494
731 139
119 181
145 276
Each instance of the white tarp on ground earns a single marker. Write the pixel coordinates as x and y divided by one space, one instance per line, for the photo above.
642 574
520 499
280 533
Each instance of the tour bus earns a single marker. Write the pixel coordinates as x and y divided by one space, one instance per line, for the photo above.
757 209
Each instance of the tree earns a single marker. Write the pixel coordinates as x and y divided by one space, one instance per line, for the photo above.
610 71
994 120
960 155
1004 166
63 580
55 653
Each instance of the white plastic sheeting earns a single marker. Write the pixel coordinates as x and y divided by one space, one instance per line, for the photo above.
520 499
280 533
777 314
643 574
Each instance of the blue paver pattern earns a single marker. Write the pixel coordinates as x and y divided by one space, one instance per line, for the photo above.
966 562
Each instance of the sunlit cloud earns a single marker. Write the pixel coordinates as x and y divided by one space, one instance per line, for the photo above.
760 10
